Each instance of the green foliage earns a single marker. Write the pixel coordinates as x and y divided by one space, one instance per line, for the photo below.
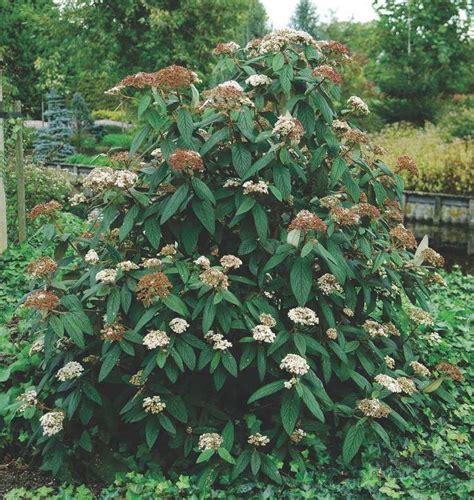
122 141
444 165
54 141
306 18
42 184
220 380
420 40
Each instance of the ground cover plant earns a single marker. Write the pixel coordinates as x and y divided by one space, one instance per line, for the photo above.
244 295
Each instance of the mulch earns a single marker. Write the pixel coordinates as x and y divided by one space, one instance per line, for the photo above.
16 474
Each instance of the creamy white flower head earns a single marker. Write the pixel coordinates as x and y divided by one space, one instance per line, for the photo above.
230 262
156 338
219 343
420 369
77 199
28 399
52 422
91 257
388 382
297 436
157 154
267 320
106 276
232 84
358 105
125 179
295 364
258 80
70 371
263 333
258 440
390 362
328 284
255 187
154 405
152 262
303 316
203 262
37 346
232 182
340 126
288 126
210 441
127 265
178 325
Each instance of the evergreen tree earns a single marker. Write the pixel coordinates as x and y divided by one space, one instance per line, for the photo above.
54 141
81 117
256 25
306 18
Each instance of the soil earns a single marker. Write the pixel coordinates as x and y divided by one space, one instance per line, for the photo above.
16 474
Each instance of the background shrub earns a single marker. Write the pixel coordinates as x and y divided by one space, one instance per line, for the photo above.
445 165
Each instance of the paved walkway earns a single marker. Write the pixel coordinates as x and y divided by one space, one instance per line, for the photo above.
113 123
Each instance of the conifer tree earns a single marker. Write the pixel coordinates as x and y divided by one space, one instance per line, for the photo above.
54 141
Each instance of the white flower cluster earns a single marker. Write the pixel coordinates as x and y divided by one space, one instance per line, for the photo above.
27 400
219 343
297 436
331 333
258 80
303 316
260 187
203 261
106 276
276 41
358 105
295 364
348 312
104 178
157 154
179 325
420 369
407 385
267 320
91 257
232 182
156 338
77 199
230 262
37 346
52 422
127 265
215 279
287 126
70 371
170 249
421 317
340 126
153 405
388 382
263 333
151 263
258 439
328 284
390 362
375 329
210 441
288 384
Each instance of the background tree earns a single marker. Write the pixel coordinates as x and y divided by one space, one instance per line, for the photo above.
257 22
420 40
54 141
306 18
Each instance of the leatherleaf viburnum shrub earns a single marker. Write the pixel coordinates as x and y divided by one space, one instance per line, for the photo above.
246 289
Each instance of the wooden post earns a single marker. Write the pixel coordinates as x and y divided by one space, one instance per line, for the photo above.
20 179
3 199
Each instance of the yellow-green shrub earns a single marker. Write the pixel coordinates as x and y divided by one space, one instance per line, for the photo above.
444 166
108 114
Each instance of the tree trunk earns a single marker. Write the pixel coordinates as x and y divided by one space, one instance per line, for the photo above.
20 179
3 200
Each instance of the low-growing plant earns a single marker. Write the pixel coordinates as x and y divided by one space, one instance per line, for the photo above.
83 159
444 166
246 297
122 141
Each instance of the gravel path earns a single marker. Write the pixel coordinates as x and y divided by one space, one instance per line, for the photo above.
113 123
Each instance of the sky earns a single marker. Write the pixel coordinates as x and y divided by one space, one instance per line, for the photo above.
280 11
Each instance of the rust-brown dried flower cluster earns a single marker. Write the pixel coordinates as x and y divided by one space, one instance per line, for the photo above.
113 332
49 208
344 216
153 285
170 78
307 221
183 160
405 163
403 237
42 300
328 73
432 257
451 371
41 267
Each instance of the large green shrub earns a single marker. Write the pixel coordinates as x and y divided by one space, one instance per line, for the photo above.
249 293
